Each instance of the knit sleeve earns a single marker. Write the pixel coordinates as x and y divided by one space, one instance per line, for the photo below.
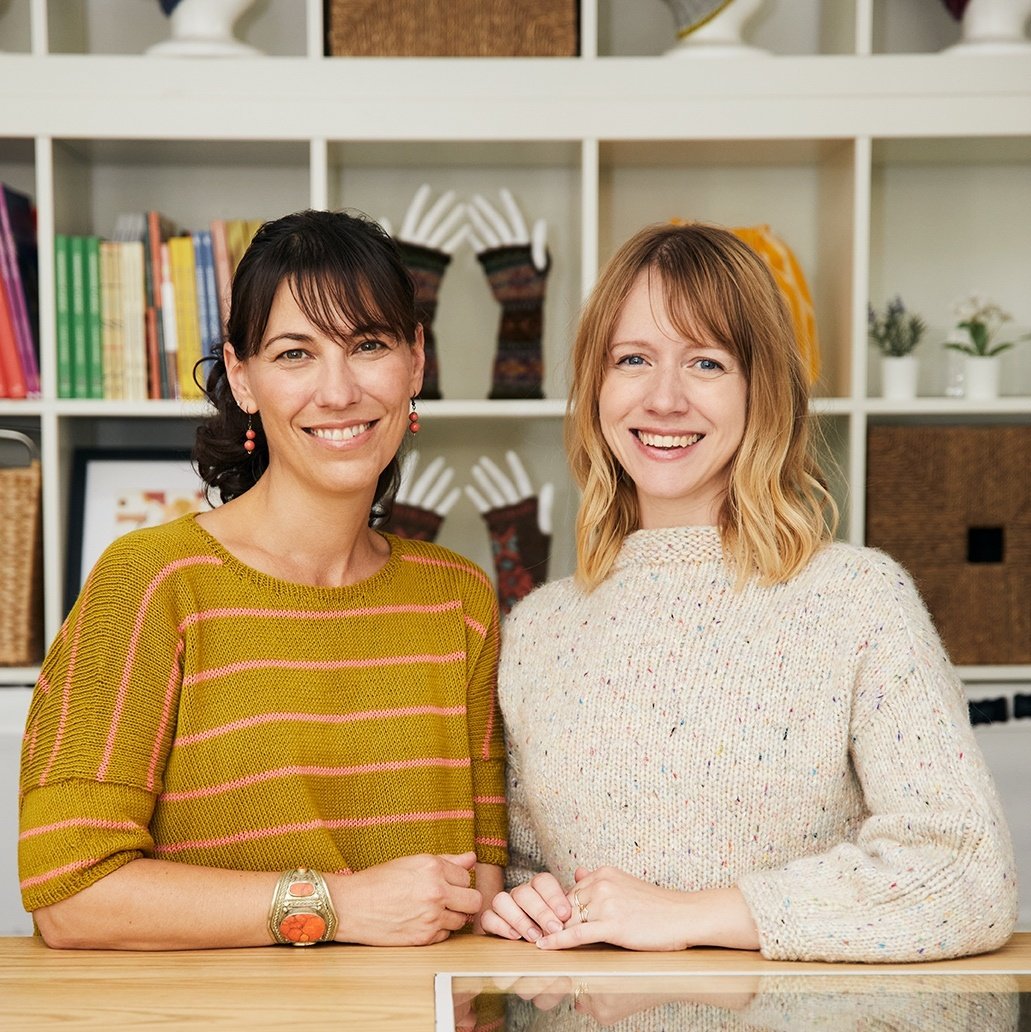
525 856
98 729
930 873
486 734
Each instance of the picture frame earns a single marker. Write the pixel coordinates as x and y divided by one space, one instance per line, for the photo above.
115 491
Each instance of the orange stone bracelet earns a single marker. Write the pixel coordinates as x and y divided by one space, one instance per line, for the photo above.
302 911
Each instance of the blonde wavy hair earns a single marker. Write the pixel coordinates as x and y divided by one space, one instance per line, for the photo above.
777 512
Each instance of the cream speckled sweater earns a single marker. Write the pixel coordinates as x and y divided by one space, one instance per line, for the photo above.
808 742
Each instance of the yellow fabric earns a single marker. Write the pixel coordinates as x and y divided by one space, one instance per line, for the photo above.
193 709
791 280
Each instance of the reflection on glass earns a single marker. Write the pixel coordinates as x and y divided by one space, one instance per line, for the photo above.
911 1002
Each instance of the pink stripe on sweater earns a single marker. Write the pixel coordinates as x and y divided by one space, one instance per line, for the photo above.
503 843
166 713
310 614
68 676
329 772
320 665
319 718
476 626
425 560
290 829
38 879
134 640
80 822
489 799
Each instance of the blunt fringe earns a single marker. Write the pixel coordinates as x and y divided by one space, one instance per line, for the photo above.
343 269
777 512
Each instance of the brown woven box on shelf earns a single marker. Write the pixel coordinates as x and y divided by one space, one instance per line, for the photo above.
953 505
452 28
21 559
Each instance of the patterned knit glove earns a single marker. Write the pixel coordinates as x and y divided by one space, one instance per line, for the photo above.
413 522
519 524
520 550
427 266
519 287
426 240
422 501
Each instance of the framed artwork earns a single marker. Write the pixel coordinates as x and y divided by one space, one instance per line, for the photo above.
116 491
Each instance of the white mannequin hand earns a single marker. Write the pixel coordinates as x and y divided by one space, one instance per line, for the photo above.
427 490
490 229
436 228
498 489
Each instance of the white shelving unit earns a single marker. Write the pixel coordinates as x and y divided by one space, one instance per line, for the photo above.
887 166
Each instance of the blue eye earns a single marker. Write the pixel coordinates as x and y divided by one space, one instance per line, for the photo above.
709 365
630 360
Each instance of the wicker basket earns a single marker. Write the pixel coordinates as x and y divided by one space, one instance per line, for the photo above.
452 28
953 505
21 559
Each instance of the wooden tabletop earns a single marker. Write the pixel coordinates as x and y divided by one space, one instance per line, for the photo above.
343 987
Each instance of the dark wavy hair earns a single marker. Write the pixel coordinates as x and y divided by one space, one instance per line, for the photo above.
343 269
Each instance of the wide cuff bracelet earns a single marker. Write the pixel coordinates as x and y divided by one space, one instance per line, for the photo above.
302 911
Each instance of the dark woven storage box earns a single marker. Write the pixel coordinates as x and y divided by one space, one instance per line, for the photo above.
953 505
452 28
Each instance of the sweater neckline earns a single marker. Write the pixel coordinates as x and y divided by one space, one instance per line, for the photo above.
269 582
698 545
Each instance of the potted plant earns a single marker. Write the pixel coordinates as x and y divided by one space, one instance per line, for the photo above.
979 322
896 334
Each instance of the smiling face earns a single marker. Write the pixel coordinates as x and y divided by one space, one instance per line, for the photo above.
672 408
334 409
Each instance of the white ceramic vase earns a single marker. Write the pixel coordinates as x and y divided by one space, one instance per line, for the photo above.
702 33
898 377
204 28
981 377
994 27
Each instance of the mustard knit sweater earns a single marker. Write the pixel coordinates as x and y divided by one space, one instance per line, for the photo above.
808 742
194 709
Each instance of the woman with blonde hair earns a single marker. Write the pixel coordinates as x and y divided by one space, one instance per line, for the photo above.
727 729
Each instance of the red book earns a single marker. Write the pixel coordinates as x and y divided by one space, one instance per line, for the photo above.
12 382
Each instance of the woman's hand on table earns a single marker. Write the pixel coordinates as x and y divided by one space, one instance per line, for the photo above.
411 901
609 905
529 910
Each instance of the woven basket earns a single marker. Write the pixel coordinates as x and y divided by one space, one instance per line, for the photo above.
452 28
953 505
21 559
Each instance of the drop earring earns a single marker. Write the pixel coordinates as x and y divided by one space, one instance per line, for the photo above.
249 435
413 419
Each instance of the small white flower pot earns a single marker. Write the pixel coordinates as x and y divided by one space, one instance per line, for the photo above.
981 377
898 377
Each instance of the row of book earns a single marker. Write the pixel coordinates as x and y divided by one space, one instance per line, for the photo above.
136 313
19 296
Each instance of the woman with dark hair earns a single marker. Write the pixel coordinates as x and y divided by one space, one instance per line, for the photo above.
272 700
728 729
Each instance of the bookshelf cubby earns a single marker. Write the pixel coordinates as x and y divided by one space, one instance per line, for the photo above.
887 166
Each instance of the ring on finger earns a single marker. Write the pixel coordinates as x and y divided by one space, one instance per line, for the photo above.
582 908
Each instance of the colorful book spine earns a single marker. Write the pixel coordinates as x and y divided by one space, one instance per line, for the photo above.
134 321
168 319
111 319
80 335
63 328
223 271
184 276
94 327
17 250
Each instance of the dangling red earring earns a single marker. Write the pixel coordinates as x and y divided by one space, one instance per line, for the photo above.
249 435
413 419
